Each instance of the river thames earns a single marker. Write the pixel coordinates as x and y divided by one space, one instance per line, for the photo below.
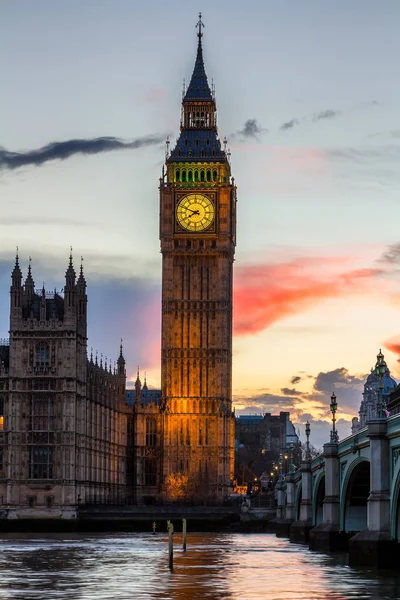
135 566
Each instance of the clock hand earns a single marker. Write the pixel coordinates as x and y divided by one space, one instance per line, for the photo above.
194 212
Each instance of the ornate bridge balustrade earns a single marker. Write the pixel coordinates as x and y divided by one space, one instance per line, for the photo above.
348 498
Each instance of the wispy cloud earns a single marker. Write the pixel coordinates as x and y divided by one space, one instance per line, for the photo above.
323 114
326 114
289 124
63 150
250 130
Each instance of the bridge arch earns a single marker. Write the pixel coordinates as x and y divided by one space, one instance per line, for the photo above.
395 503
318 499
354 496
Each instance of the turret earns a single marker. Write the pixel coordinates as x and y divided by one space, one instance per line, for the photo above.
69 290
43 304
121 362
81 297
138 388
29 289
16 290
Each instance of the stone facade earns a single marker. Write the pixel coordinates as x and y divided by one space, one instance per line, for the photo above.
64 421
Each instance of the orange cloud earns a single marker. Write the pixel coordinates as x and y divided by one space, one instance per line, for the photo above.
265 294
393 345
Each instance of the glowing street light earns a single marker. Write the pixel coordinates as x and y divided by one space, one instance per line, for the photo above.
333 407
308 429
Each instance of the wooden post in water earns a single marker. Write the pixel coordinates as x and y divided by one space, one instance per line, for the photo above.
154 527
170 545
184 530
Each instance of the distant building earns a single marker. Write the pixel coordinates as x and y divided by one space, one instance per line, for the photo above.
147 395
64 421
368 406
259 441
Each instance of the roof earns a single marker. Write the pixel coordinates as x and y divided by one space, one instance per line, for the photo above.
198 88
194 145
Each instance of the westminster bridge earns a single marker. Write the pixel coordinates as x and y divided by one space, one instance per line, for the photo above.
347 498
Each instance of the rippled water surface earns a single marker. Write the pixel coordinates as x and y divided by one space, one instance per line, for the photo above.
135 566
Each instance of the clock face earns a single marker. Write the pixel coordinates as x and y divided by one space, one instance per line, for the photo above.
195 212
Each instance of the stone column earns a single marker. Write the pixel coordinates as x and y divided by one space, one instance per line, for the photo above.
275 525
280 497
290 513
299 530
326 536
374 546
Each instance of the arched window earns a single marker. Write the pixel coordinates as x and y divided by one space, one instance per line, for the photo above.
42 355
215 175
201 175
196 175
208 175
183 175
190 176
177 175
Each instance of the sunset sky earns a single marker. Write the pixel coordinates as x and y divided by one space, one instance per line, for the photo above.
309 99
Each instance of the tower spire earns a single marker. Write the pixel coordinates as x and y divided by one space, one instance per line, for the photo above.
198 88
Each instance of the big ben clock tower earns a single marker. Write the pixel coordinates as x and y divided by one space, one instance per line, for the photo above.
197 233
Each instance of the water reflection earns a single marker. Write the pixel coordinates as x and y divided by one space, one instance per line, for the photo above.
215 566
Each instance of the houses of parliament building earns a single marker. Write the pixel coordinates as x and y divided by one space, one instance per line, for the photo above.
67 434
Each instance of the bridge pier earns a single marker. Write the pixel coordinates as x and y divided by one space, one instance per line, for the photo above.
300 530
284 514
374 546
326 536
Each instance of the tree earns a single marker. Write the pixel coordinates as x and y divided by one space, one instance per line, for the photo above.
178 487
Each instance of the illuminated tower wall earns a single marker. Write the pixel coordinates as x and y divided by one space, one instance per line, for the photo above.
197 233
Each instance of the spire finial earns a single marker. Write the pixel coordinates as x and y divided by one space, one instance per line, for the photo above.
82 266
199 25
17 258
120 349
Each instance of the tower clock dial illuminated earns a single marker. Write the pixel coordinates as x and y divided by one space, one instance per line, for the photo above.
195 212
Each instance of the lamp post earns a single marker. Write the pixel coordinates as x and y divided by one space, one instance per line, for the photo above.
280 465
380 370
308 429
333 407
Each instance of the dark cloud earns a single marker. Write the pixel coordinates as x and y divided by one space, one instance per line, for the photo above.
326 114
391 256
251 129
295 379
290 392
348 389
289 124
263 403
63 150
